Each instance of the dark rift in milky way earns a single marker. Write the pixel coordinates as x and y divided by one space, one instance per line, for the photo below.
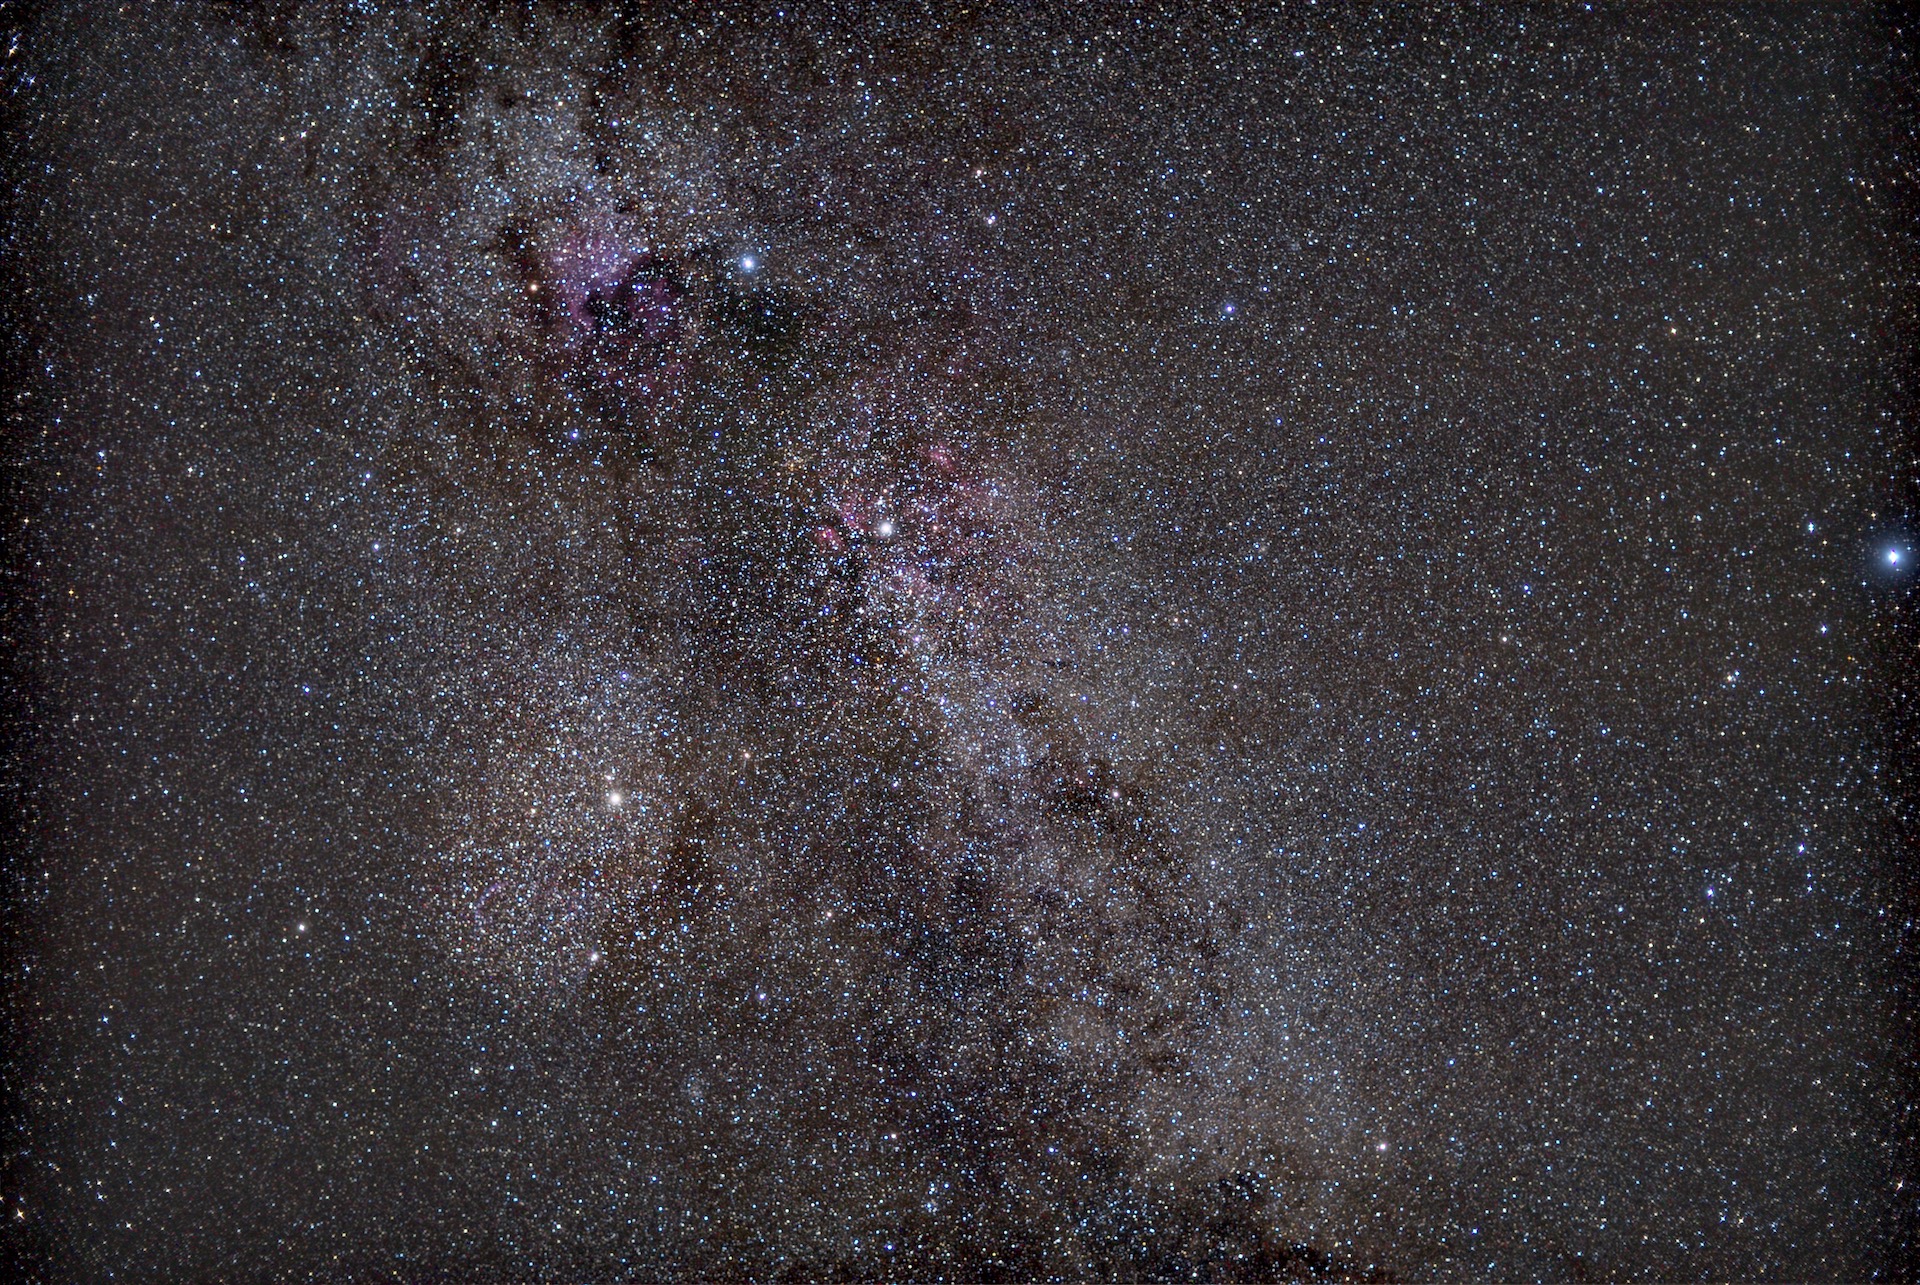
809 783
1017 642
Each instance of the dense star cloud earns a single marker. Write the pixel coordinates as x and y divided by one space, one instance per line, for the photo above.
1092 643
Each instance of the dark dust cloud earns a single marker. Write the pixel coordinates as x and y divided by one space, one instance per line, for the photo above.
1097 642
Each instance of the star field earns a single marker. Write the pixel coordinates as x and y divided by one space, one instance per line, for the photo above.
1085 642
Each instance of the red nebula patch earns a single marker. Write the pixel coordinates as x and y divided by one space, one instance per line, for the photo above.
620 315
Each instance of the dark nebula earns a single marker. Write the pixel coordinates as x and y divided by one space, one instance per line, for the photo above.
1100 642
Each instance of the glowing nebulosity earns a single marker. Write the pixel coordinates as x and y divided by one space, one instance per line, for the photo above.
790 721
618 314
1047 642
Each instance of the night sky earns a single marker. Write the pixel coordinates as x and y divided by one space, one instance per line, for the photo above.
868 643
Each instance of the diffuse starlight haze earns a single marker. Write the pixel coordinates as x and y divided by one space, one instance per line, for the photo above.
827 643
